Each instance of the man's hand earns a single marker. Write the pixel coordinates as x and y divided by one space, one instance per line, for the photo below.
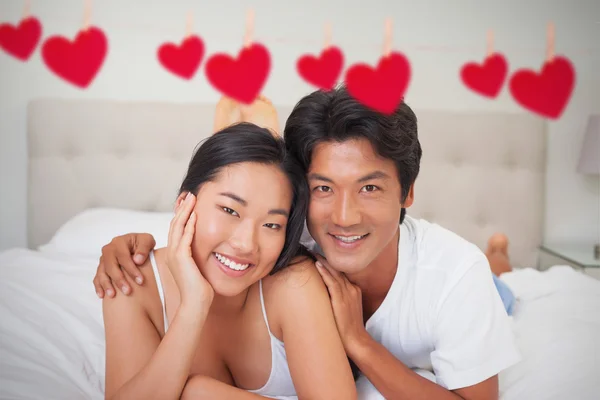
346 301
123 252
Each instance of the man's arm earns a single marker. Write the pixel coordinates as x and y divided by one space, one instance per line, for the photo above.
126 252
394 380
473 341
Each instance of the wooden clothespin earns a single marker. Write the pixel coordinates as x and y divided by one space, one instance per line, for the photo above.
327 42
87 15
490 43
27 9
387 39
249 29
189 25
550 42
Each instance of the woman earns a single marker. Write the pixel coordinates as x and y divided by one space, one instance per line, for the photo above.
230 290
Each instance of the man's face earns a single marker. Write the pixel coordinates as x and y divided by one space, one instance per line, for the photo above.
355 203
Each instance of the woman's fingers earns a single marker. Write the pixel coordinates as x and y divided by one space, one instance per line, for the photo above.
181 217
188 235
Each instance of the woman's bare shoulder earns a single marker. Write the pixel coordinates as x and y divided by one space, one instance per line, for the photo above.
301 274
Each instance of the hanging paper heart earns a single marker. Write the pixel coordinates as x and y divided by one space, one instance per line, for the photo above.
241 78
20 42
182 60
322 71
78 61
548 92
486 79
381 88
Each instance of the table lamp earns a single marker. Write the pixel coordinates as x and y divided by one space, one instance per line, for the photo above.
589 160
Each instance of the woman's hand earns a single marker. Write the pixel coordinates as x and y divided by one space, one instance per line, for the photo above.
194 289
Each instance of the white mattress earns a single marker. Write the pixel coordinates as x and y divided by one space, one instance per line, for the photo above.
52 337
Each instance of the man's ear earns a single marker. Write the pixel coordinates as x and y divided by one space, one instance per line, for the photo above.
410 198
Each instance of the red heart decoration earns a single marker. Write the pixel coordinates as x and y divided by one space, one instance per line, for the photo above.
382 88
243 78
182 60
486 79
548 92
79 61
21 41
323 71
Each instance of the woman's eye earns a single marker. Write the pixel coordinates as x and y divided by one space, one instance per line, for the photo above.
273 226
230 211
323 189
370 188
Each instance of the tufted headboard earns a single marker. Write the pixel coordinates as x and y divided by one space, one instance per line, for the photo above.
481 172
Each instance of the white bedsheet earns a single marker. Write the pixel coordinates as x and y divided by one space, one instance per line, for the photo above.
52 336
557 325
51 329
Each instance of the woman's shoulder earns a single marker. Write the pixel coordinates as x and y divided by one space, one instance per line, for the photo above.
299 278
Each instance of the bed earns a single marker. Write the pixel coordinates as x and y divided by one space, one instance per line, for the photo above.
101 168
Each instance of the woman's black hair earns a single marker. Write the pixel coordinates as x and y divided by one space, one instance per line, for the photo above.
246 142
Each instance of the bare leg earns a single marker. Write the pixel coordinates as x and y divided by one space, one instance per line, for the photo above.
497 254
261 112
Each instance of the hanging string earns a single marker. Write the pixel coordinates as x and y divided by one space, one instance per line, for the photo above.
175 30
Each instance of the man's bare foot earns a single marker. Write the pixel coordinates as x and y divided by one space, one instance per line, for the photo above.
261 112
497 254
498 242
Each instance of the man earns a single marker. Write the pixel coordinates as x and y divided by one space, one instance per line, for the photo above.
415 305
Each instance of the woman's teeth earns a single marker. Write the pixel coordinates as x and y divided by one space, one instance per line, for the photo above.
349 239
231 264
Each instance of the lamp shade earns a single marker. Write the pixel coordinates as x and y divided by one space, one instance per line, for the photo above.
589 160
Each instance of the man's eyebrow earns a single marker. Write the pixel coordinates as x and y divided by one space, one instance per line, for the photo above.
319 177
368 177
234 197
374 175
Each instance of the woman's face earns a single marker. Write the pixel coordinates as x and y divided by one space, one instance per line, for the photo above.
241 224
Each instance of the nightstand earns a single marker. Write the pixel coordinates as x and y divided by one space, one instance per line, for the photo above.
578 256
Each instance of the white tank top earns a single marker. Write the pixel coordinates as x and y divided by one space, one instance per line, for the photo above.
279 385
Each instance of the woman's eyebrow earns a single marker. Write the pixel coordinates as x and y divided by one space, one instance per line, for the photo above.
235 197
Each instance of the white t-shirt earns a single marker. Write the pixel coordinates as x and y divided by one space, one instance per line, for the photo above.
443 314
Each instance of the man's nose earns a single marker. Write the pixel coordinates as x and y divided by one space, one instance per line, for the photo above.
346 212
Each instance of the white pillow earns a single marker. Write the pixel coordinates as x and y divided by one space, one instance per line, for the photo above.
86 233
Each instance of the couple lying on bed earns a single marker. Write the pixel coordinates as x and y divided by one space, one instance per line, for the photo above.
236 307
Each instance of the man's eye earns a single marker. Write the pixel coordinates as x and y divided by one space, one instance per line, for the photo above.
370 188
230 211
323 189
273 226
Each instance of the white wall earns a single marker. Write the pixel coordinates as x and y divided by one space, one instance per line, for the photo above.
437 36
